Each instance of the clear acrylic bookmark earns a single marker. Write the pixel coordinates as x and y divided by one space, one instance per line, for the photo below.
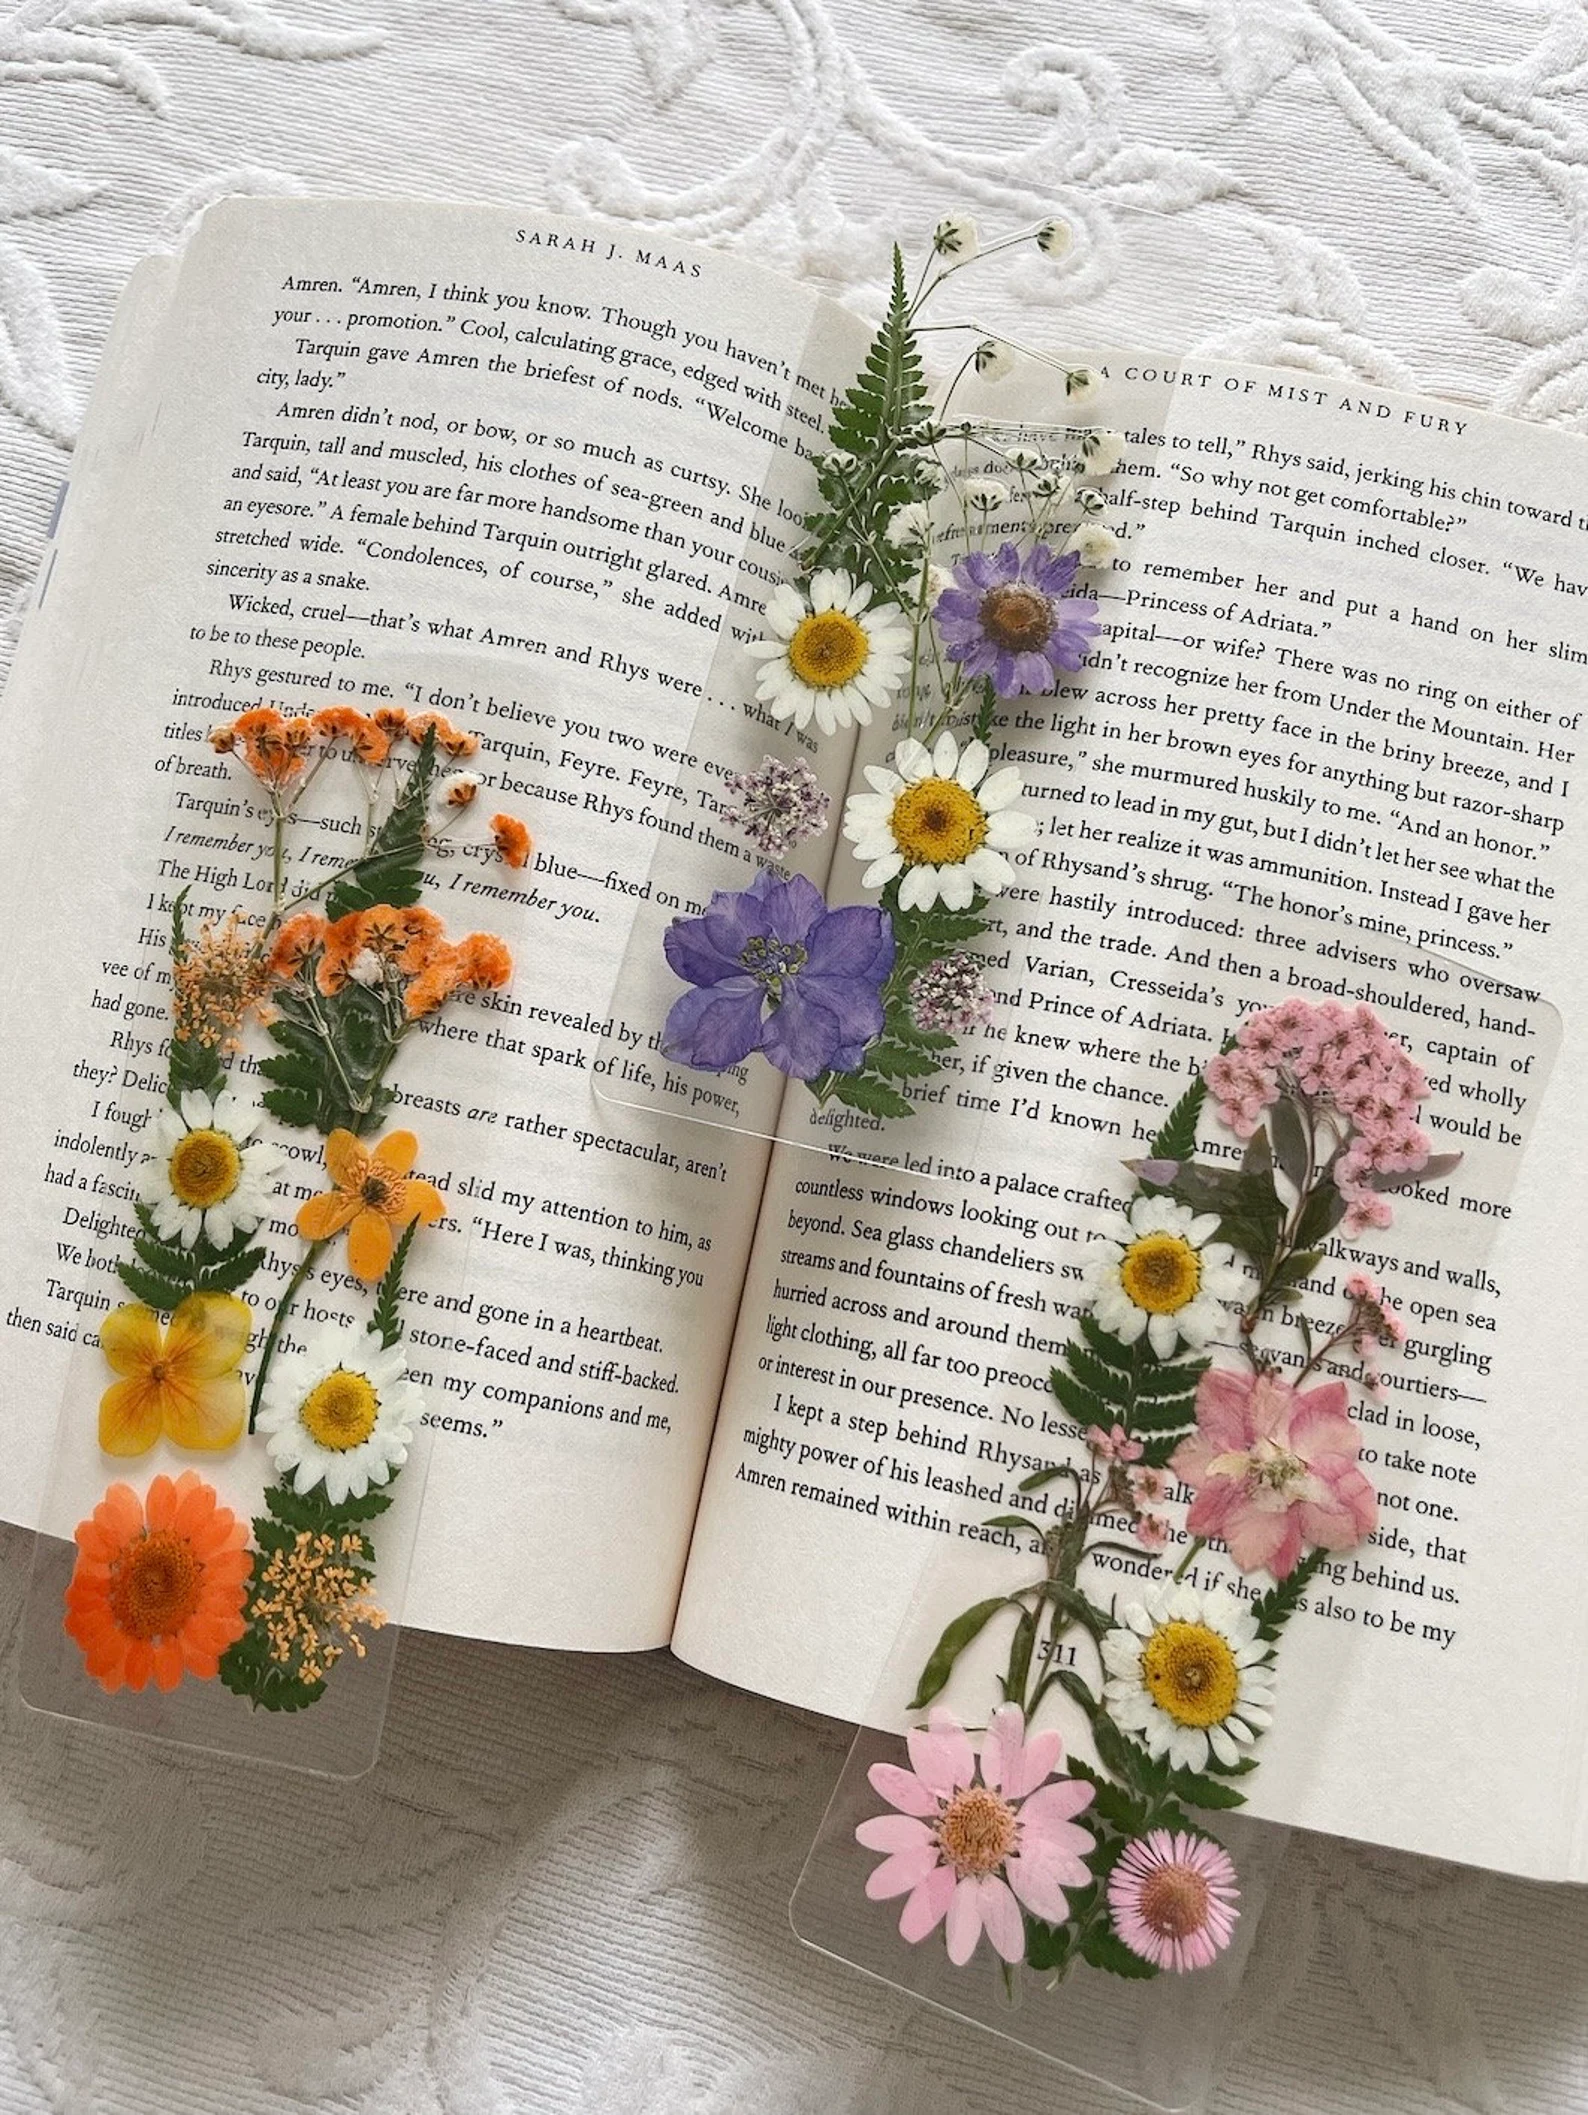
190 1593
1267 1366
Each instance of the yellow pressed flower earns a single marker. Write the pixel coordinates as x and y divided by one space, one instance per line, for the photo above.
182 1380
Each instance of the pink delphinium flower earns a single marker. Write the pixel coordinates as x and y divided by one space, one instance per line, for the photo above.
1275 1470
974 1853
1172 1899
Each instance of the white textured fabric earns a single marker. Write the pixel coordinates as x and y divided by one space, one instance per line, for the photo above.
564 1886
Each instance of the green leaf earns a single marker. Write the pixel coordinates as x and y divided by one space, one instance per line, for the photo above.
1025 1637
153 1291
1111 1803
314 1512
384 1320
392 869
1073 1686
1018 1522
1086 1408
1199 1791
1290 1139
899 1063
1047 1945
233 1269
860 1091
1178 1137
959 1634
1100 1380
1321 1214
1101 1948
192 1067
1280 1603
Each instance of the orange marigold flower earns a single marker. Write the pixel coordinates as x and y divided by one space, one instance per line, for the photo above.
223 740
374 1193
513 840
296 942
486 961
435 983
159 1584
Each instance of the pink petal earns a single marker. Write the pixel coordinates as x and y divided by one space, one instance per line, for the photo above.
942 1755
1039 1758
893 1832
928 1906
964 1922
1000 1751
1040 1876
902 1789
1322 1426
1259 1539
1001 1919
1051 1804
1348 1517
1213 1505
906 1870
1224 1410
1270 1407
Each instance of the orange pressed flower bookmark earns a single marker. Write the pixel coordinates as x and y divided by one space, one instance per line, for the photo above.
374 1193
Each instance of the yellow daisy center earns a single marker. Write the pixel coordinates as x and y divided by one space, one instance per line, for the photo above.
828 649
1190 1673
1160 1273
157 1584
1017 619
204 1169
1174 1901
977 1831
936 823
340 1411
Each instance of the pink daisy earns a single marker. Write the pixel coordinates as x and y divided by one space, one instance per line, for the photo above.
1172 1899
975 1853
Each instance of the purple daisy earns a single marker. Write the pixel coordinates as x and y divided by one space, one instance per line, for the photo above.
777 942
1011 618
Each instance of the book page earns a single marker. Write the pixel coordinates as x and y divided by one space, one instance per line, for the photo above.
509 468
1341 692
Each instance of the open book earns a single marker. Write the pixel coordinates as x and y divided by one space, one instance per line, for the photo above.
706 1390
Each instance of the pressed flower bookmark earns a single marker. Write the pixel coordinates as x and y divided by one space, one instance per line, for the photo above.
235 1497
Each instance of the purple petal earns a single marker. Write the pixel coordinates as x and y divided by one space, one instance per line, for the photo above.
1051 571
694 948
958 606
855 942
1033 672
1076 627
789 910
802 1036
715 1025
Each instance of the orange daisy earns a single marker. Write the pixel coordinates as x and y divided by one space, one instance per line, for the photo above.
158 1588
182 1381
374 1193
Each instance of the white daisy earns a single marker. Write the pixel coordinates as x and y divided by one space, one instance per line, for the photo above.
203 1176
938 819
339 1412
1188 1675
1166 1279
832 657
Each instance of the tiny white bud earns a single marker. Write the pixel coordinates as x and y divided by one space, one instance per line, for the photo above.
1020 457
1101 450
1080 384
985 494
993 359
1055 238
365 967
930 473
1089 501
911 525
1094 544
955 236
457 789
939 580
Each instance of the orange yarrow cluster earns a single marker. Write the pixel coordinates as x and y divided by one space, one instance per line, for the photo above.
411 939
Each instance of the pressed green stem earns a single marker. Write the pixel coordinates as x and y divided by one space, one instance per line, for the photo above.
289 1294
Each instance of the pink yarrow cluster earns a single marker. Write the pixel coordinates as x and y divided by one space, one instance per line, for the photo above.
1339 1058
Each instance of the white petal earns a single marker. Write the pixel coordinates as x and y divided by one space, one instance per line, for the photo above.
197 1110
881 871
1000 787
945 755
913 759
973 762
1012 830
990 870
918 890
830 590
955 887
887 784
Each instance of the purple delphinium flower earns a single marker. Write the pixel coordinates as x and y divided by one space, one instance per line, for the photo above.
1010 617
777 943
